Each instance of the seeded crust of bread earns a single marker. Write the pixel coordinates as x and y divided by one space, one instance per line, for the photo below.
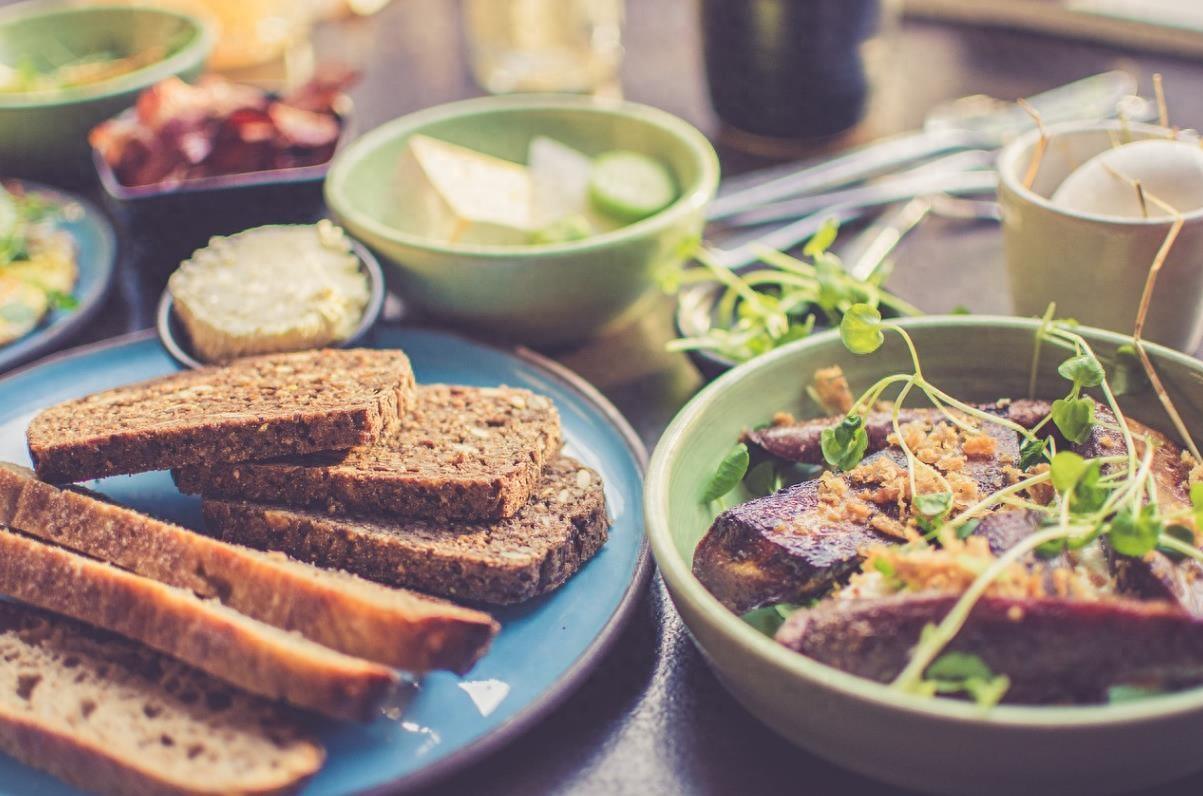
500 562
113 717
460 453
336 609
256 408
245 652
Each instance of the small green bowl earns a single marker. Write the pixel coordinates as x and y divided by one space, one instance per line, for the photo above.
544 294
935 745
45 135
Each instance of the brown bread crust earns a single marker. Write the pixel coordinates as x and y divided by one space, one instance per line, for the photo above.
502 562
256 408
75 756
343 612
461 453
205 634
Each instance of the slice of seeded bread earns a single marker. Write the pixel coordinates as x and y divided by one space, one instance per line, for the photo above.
113 717
504 561
461 453
341 611
204 633
256 408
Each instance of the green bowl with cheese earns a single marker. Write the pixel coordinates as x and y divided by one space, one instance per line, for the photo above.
543 294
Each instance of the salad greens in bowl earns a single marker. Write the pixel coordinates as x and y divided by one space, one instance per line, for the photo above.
65 67
962 562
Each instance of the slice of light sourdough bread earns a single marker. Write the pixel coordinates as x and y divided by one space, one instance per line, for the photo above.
113 717
339 610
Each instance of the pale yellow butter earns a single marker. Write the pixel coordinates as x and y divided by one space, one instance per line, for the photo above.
270 289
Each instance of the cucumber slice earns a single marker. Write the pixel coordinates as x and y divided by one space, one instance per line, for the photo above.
629 186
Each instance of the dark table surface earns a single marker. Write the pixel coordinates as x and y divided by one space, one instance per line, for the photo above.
652 718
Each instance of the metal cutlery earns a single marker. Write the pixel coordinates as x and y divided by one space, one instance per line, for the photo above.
955 126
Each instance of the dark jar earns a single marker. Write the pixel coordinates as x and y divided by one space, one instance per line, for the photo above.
788 69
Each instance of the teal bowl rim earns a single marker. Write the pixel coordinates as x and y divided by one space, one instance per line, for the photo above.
194 53
684 586
693 199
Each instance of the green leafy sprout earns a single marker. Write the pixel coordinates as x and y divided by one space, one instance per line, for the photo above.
783 301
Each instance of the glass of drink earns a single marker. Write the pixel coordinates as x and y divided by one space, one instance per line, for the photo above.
544 45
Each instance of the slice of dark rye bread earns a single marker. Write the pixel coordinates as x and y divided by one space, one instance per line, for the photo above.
341 611
203 633
256 408
113 717
500 562
460 453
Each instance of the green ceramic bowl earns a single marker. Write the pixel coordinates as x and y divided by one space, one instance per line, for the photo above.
533 294
933 745
45 135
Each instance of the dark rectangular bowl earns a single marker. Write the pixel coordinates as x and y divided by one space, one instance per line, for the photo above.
182 216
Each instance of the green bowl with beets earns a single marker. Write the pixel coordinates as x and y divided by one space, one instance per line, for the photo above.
934 745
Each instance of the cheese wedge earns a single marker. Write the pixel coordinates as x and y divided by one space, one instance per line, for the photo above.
457 195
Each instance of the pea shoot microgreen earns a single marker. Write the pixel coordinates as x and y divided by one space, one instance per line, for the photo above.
931 509
845 443
962 672
730 472
783 300
861 329
1074 417
1134 532
770 618
1033 451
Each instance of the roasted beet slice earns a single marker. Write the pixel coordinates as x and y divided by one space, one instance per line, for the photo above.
1154 576
788 547
799 442
1005 529
1053 649
780 548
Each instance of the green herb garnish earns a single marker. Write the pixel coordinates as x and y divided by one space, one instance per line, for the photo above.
730 472
964 673
861 329
845 443
1074 417
768 620
783 301
61 301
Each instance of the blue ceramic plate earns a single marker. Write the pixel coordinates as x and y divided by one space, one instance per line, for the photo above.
545 647
96 254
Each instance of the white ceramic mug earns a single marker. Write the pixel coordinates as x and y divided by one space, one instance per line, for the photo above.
1094 267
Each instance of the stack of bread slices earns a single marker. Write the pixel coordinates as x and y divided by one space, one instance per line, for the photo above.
141 656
